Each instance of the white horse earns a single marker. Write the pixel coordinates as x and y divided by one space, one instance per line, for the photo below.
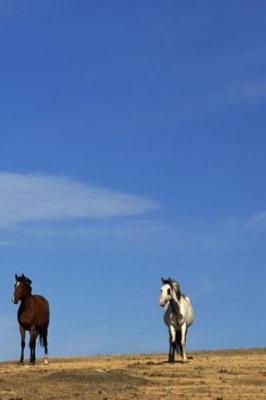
178 316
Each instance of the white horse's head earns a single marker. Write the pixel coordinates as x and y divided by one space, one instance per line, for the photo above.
169 289
165 296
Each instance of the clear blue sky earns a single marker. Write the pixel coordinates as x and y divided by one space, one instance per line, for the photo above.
132 145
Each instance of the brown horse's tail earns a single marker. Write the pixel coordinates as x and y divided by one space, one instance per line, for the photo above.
43 337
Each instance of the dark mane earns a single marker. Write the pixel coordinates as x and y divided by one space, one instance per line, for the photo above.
25 280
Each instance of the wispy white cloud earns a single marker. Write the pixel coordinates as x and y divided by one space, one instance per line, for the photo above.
245 91
127 227
248 90
242 81
36 197
79 212
258 220
205 286
6 243
188 236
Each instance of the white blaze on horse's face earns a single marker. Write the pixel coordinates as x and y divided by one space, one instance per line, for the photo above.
13 297
165 296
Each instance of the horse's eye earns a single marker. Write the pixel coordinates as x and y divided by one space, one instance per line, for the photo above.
168 292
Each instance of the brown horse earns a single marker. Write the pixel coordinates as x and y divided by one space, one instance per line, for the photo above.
33 316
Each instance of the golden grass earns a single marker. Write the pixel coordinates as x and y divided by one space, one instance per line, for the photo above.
220 375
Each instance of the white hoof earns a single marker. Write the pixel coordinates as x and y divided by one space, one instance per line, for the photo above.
46 362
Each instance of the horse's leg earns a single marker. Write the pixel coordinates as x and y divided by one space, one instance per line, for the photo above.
32 345
172 344
178 341
183 342
22 334
45 343
170 356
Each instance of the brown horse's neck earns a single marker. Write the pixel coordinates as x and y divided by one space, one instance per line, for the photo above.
26 300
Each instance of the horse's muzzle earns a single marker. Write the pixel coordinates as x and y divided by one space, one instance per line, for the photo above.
162 302
14 300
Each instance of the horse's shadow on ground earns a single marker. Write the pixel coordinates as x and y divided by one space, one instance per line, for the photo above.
167 362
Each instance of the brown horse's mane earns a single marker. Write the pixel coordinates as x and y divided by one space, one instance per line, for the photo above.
26 281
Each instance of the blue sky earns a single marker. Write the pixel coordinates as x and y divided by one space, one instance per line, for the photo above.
132 146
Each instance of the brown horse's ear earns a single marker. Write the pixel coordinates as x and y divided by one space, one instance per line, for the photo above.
16 277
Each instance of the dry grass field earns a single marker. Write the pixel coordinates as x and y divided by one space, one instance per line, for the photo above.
220 375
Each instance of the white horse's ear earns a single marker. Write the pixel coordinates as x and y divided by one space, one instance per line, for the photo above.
162 279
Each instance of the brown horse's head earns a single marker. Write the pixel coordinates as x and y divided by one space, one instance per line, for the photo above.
22 288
